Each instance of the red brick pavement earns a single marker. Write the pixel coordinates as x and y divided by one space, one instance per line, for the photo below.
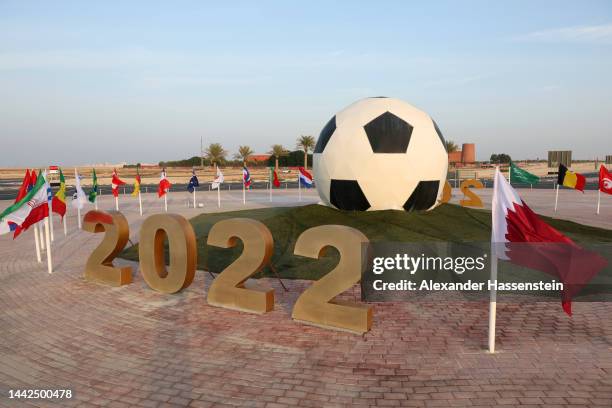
133 347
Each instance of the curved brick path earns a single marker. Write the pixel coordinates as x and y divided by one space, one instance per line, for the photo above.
132 347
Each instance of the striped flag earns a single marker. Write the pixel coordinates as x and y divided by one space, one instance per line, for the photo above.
58 203
115 183
164 184
246 177
570 179
305 177
136 185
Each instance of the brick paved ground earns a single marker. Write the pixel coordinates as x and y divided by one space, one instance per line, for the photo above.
132 347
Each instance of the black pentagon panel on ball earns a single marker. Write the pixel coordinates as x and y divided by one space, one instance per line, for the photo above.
325 135
439 132
388 134
347 195
423 197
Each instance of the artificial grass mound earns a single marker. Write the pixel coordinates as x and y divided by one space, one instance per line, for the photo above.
447 222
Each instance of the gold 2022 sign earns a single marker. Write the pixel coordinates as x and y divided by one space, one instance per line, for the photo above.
231 288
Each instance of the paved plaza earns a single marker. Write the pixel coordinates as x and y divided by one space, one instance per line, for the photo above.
133 347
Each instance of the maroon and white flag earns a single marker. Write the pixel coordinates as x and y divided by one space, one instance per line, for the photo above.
518 235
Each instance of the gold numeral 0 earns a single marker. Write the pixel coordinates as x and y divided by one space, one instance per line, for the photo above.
183 252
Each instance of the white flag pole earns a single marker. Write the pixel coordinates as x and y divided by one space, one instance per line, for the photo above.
117 203
556 197
37 243
96 200
492 300
219 195
194 197
51 223
166 202
243 191
50 208
79 218
42 236
48 243
140 202
598 200
65 225
270 184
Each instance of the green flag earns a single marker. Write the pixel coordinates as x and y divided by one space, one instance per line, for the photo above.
519 175
94 190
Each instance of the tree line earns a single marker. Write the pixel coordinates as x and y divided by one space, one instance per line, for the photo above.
216 155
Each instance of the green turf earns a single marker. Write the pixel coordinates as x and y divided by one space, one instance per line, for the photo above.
445 223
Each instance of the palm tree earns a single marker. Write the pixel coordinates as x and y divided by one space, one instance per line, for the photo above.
215 153
306 143
451 146
243 154
278 151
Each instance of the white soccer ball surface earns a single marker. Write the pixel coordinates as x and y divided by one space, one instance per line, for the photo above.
380 154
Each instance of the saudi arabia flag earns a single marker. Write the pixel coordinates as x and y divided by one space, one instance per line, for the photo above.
518 175
94 190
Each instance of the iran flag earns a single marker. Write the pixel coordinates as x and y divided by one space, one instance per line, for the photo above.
518 235
164 184
115 183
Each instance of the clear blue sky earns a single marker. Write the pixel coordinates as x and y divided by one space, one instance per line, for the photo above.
87 82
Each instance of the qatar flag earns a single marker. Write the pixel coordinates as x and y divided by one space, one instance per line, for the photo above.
115 183
164 184
518 235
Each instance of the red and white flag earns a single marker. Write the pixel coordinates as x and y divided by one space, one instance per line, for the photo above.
115 183
605 180
164 184
521 237
305 178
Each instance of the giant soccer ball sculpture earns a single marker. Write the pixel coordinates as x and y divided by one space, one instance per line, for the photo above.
380 154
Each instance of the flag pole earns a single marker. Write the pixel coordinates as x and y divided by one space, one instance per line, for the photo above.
243 191
166 202
194 197
510 174
270 184
42 236
50 209
492 301
219 195
65 225
96 200
37 243
51 223
556 197
48 243
117 203
140 202
598 200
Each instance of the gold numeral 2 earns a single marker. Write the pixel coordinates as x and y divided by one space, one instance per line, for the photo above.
230 288
99 265
316 304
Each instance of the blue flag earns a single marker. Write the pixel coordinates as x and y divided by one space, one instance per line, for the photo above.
193 182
